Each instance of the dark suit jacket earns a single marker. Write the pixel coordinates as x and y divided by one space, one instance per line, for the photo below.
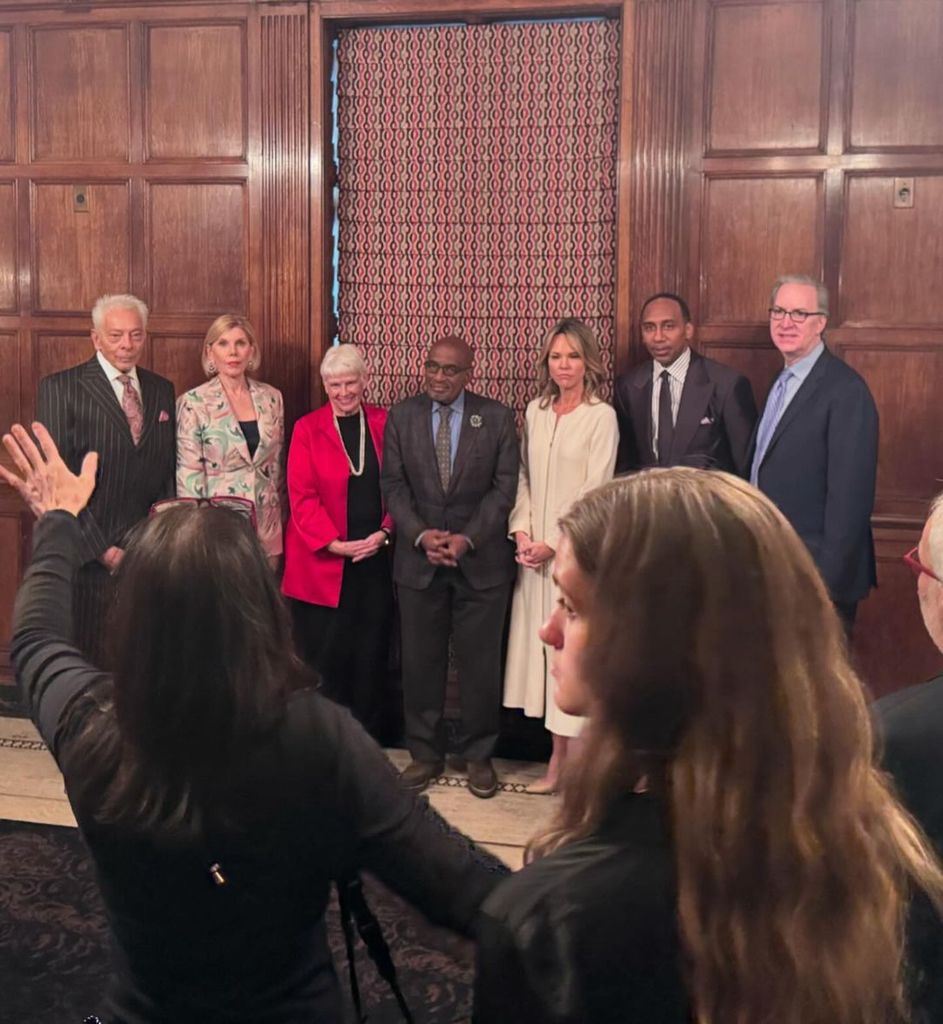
479 499
715 420
911 723
820 469
79 408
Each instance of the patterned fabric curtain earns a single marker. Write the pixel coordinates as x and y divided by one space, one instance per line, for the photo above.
476 194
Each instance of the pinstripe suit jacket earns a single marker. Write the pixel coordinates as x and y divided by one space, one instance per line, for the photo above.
79 408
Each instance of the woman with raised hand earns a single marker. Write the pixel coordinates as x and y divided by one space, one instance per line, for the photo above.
231 430
726 851
218 800
337 566
569 447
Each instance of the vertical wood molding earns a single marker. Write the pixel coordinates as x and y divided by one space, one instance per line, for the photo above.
285 286
662 49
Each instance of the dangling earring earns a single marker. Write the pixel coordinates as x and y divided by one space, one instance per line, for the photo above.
210 367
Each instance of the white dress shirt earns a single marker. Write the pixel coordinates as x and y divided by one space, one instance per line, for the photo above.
112 373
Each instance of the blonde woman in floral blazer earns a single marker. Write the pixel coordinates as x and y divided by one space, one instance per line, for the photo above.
231 430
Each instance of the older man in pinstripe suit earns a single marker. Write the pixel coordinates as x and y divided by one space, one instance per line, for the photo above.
126 414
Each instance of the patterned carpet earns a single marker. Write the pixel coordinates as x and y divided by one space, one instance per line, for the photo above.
53 940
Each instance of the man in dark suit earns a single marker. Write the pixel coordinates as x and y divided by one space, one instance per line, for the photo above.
680 408
450 465
815 449
126 414
911 722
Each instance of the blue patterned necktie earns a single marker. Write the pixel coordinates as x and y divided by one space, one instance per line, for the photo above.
768 424
443 446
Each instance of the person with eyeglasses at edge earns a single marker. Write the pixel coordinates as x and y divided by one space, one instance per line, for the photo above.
112 406
815 449
449 479
910 722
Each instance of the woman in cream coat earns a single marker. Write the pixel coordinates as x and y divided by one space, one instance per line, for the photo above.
569 447
231 431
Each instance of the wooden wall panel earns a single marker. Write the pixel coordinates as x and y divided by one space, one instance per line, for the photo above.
80 93
7 111
758 362
203 67
11 569
78 256
8 248
897 74
177 357
766 77
197 242
754 230
891 258
9 380
905 383
54 351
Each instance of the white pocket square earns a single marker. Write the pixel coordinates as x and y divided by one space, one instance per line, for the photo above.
706 421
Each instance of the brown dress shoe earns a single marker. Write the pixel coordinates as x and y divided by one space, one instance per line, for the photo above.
418 774
482 780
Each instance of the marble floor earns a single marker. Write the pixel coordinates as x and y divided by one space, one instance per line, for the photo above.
31 790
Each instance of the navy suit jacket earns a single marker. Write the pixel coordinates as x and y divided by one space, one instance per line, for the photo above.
820 469
715 419
480 495
79 408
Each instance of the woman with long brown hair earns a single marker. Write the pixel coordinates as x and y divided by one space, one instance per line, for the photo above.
726 851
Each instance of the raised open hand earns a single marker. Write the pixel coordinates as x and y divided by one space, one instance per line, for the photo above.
46 482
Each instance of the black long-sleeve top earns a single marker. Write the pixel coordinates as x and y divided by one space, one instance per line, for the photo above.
318 799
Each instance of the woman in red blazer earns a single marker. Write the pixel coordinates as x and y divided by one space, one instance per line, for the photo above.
337 568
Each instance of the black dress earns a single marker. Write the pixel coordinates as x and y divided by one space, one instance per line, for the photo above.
348 646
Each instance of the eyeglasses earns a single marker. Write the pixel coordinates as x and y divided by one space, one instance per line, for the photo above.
433 368
918 567
242 506
797 316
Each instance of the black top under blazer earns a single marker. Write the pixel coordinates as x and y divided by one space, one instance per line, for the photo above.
715 419
479 499
820 469
81 411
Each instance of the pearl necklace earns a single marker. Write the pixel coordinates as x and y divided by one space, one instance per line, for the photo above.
355 471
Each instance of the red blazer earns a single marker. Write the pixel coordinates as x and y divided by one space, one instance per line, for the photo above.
318 473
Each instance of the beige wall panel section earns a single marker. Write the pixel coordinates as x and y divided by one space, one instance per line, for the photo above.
10 572
765 77
754 230
195 95
196 248
891 258
905 383
54 352
177 357
80 103
7 115
79 256
8 276
897 74
10 411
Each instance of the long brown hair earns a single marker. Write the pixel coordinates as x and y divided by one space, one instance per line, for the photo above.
718 672
584 341
201 648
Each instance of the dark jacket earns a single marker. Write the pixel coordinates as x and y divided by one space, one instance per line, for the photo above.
587 935
820 469
479 499
714 424
317 800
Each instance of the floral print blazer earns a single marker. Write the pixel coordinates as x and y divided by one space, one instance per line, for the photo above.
213 457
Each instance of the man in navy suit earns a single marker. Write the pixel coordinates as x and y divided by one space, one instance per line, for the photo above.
815 449
911 722
111 406
680 408
449 477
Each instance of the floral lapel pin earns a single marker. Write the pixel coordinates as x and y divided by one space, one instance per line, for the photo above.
163 417
475 421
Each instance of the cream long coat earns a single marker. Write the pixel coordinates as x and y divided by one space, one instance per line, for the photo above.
561 459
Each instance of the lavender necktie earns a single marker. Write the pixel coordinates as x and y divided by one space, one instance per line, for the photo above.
769 422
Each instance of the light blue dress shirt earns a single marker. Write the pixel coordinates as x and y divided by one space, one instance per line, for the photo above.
455 423
800 370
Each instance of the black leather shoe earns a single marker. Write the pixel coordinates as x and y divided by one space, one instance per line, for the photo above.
482 780
418 774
